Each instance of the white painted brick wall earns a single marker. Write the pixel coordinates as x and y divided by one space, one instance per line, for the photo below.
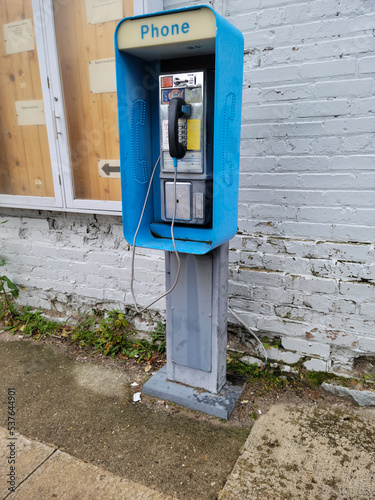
305 247
302 264
75 261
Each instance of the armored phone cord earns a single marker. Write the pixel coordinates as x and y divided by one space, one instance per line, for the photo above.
173 241
252 333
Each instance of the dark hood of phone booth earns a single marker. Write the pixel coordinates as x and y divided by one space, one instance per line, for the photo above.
142 45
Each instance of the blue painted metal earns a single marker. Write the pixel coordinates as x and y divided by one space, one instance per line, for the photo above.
137 94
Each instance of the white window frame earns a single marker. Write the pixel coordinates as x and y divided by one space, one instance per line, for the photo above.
147 6
41 202
57 131
56 123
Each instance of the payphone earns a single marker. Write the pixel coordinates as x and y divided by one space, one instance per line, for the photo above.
186 62
179 90
186 132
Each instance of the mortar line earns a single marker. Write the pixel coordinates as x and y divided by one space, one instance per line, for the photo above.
32 472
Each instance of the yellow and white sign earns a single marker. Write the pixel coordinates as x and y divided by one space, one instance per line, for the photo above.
18 36
30 112
102 11
102 74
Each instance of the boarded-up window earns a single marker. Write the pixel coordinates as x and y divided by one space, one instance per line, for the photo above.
25 164
85 39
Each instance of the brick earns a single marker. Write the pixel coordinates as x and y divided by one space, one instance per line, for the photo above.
71 253
352 126
315 163
260 277
264 75
284 356
359 161
351 324
115 295
275 212
267 112
357 291
272 295
104 257
328 68
321 108
38 224
344 88
290 92
306 230
251 164
285 329
316 365
366 344
262 38
306 347
354 143
270 17
366 65
313 285
245 22
368 310
283 130
341 232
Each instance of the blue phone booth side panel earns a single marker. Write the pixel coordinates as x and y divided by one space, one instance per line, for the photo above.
227 133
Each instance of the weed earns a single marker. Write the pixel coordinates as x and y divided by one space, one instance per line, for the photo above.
268 343
159 337
33 323
8 290
108 333
317 378
140 349
270 377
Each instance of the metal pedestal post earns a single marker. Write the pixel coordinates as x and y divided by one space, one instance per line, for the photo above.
195 373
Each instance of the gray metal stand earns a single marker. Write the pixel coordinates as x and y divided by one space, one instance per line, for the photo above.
195 373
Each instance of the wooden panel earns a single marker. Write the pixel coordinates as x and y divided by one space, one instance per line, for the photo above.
25 161
92 118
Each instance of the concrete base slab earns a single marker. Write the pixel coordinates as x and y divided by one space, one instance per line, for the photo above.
220 405
307 452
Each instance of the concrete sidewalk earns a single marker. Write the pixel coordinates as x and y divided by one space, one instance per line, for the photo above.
307 452
87 440
292 452
44 472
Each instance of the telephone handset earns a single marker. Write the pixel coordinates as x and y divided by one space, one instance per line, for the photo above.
185 111
177 109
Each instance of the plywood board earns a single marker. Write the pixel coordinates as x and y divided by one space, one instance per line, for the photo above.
30 112
25 164
102 11
18 36
90 101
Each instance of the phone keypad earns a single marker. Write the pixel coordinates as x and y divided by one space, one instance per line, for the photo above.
182 133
